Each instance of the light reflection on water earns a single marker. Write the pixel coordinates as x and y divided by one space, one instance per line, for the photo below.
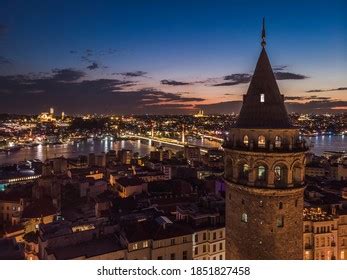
321 144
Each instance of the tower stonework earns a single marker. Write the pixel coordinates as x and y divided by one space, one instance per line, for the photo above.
264 174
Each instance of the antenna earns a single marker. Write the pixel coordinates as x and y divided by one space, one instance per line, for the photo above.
263 34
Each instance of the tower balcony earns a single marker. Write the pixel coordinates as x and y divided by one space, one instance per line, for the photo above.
269 147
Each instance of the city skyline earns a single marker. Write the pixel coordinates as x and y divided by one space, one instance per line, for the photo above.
159 174
149 59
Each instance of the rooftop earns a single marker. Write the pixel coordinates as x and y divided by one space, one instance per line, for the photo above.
95 247
263 105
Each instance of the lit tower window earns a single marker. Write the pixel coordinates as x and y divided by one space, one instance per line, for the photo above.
261 141
262 97
245 140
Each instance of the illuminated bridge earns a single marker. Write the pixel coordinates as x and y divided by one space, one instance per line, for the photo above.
172 142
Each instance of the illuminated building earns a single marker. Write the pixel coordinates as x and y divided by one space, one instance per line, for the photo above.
264 173
200 114
320 235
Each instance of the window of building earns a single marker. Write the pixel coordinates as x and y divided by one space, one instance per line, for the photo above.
185 239
204 249
244 218
261 173
185 255
220 257
280 222
173 241
296 203
196 238
261 141
172 256
244 171
278 173
221 246
262 97
280 205
204 236
145 244
261 203
135 246
214 235
322 240
221 234
278 142
196 250
245 140
214 248
214 258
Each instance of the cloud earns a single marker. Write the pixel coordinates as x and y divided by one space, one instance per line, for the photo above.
244 78
73 52
67 91
310 98
4 60
133 74
174 83
289 76
235 79
324 90
315 106
67 75
318 106
93 66
279 67
227 107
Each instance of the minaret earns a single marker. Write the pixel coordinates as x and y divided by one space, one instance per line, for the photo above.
183 134
152 130
264 174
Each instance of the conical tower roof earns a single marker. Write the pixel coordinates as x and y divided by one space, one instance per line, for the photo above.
263 105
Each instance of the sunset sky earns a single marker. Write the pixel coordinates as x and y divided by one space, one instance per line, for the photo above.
140 57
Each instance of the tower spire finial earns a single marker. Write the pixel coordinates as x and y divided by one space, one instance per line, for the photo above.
263 35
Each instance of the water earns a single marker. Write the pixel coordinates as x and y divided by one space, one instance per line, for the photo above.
321 144
327 143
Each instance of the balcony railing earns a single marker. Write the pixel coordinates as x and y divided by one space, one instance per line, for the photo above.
285 147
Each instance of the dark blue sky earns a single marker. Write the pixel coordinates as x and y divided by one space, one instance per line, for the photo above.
192 44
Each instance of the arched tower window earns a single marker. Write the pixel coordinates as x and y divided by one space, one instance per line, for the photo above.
245 140
261 174
228 169
280 175
244 171
244 218
278 142
280 205
297 174
261 141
